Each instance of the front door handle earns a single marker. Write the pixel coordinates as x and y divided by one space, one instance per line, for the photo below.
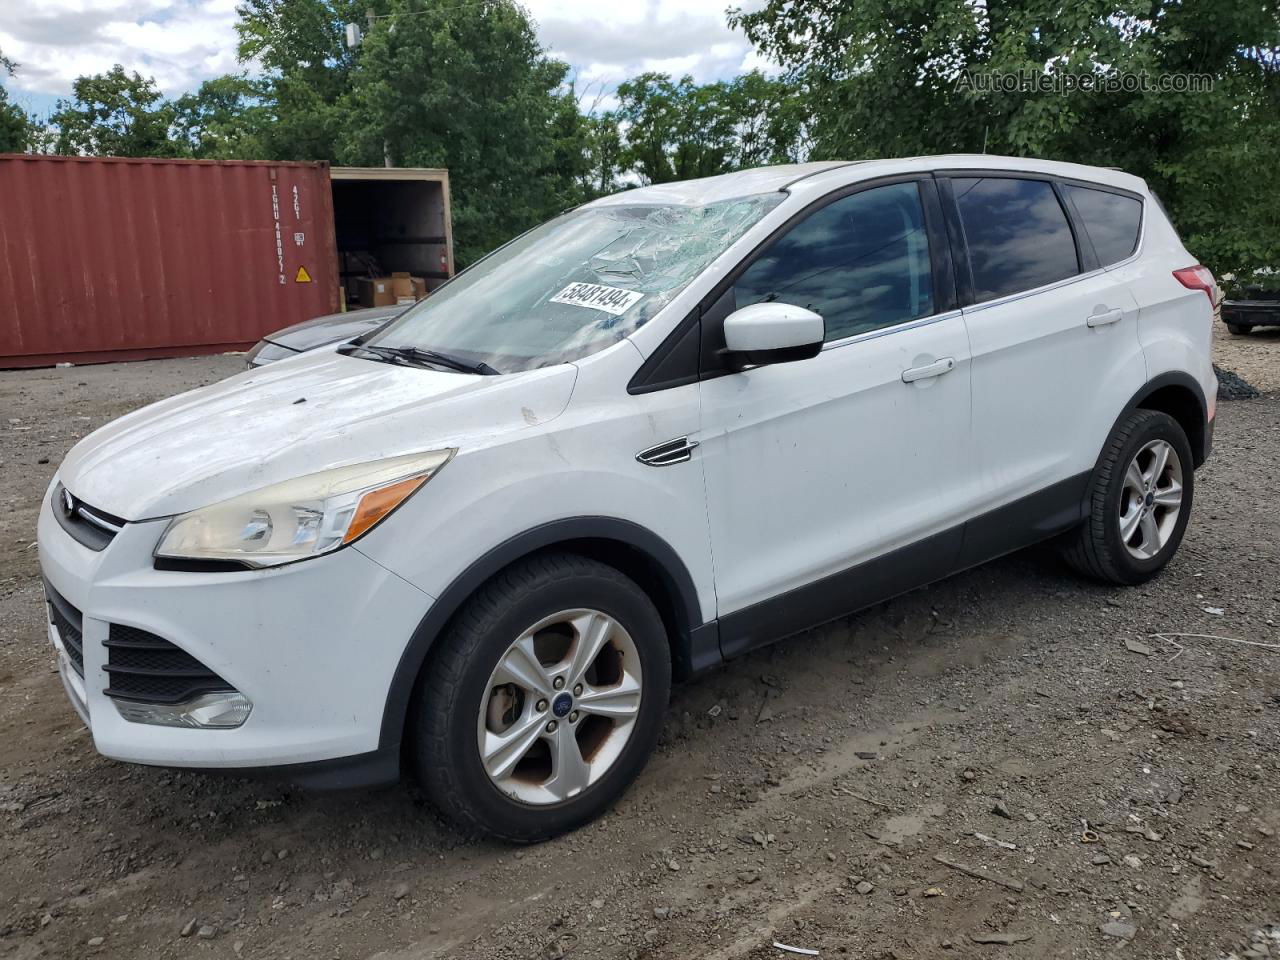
935 369
1102 318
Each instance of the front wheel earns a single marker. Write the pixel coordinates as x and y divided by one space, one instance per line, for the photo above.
1139 502
1240 329
544 700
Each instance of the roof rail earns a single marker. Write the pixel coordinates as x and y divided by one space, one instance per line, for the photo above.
840 165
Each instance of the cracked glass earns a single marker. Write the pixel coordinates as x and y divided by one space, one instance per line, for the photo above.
574 285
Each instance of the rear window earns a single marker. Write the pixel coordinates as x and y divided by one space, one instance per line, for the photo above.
1017 233
1112 220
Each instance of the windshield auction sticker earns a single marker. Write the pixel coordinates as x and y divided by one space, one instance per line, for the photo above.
612 300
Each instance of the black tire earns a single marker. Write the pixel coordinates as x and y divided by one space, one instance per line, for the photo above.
455 679
1096 548
1240 329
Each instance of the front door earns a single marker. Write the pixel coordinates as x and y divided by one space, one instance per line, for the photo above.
858 457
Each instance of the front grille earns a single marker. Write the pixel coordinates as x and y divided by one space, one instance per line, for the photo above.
150 669
70 626
91 527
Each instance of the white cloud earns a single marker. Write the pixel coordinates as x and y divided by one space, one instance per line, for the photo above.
606 43
182 42
178 42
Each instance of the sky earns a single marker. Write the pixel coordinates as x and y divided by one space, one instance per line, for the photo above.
182 42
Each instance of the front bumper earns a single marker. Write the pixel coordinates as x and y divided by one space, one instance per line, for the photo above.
313 645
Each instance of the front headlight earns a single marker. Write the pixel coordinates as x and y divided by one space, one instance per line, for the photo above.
299 518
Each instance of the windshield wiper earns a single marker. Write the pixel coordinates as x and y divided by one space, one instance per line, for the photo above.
449 360
421 357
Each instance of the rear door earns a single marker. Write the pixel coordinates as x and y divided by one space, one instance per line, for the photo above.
1055 348
863 451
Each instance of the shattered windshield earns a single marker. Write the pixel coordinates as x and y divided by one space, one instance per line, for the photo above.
573 285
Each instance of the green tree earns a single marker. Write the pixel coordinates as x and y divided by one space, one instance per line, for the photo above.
770 121
308 71
573 148
225 119
653 111
115 114
466 85
604 155
600 141
15 126
678 130
904 77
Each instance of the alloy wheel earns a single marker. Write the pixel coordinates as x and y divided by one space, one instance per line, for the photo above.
1150 499
560 706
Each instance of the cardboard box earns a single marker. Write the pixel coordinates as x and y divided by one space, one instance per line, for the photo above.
400 287
408 289
375 292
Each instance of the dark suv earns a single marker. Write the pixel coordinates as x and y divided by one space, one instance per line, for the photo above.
1252 302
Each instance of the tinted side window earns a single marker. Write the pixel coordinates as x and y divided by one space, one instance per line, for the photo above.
1017 233
862 262
1111 220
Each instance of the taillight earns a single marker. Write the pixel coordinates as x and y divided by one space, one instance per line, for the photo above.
1198 278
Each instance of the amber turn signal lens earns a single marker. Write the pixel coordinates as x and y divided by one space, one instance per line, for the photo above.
376 504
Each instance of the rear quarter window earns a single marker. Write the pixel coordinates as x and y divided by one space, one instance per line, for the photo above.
1017 234
1112 220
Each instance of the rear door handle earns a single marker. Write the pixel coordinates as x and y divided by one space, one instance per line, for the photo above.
1105 317
935 369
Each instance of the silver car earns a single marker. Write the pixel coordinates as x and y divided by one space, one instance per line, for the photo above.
319 332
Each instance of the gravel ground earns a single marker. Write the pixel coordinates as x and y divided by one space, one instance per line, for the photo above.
1255 356
915 781
1231 386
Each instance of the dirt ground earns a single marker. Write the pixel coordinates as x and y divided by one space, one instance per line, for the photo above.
913 782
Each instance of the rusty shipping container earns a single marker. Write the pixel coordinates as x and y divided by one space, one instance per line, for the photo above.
118 259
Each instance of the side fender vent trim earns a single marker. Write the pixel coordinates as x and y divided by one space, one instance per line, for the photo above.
667 453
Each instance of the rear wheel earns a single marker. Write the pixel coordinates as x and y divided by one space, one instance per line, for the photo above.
1140 501
544 699
1240 329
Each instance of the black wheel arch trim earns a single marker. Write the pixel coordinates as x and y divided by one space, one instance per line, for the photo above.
688 645
1201 444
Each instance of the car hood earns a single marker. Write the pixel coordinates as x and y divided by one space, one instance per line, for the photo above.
333 327
296 417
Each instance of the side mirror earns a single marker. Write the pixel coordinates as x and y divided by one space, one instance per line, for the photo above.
765 333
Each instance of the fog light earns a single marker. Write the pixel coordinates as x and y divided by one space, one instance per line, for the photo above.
210 711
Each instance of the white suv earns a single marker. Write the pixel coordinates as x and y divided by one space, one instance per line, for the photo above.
659 431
